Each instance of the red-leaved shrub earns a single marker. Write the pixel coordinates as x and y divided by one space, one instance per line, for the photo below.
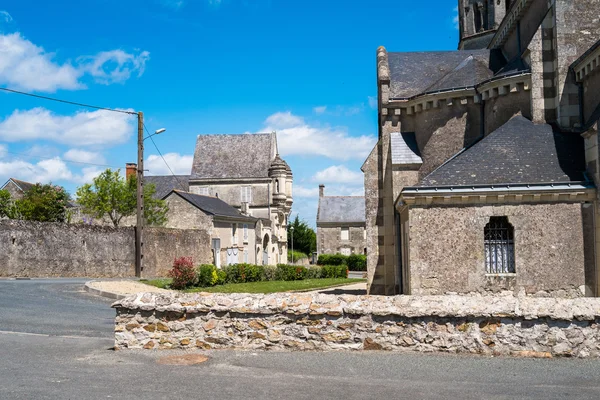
183 273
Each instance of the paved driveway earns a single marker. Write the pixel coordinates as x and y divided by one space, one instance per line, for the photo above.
55 340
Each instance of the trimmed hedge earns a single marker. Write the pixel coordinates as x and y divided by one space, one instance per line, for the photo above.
298 255
332 259
208 275
355 262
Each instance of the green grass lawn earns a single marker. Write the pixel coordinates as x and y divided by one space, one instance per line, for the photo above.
263 287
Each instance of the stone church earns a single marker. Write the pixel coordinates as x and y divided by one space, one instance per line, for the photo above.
485 172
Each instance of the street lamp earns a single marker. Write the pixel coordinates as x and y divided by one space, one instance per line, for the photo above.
292 231
139 228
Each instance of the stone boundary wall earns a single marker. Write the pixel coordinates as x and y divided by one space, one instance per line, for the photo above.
494 325
45 249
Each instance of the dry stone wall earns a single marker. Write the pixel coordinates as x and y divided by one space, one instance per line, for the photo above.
494 325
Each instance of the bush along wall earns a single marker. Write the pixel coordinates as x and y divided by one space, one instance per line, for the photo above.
355 262
208 275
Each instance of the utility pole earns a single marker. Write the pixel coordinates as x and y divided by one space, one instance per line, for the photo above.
139 255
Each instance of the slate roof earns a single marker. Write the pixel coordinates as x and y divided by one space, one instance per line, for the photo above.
166 183
415 73
519 152
24 186
342 209
404 148
233 156
212 205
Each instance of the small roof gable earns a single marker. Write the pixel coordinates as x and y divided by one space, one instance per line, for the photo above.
24 186
519 152
233 156
165 184
404 148
211 205
342 209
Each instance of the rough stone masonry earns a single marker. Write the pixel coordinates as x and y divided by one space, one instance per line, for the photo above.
490 325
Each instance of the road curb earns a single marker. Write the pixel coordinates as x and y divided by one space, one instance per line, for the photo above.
102 293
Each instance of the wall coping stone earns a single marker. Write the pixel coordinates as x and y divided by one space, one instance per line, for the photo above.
305 304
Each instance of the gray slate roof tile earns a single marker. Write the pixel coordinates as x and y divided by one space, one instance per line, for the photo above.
342 209
166 183
233 156
404 148
519 152
212 205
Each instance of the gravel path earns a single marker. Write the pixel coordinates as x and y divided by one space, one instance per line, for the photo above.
125 287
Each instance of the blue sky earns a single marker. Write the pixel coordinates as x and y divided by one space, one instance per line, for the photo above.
303 68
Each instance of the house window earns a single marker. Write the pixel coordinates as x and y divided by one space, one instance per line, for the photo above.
246 256
364 234
346 251
499 246
246 194
203 190
345 234
234 234
246 233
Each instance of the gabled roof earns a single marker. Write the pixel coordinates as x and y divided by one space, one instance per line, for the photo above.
342 209
519 152
404 148
24 186
166 183
416 73
233 156
211 205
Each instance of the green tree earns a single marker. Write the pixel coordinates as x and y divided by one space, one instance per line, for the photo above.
44 203
305 238
115 197
6 204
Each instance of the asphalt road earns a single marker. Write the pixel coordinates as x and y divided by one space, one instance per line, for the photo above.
55 343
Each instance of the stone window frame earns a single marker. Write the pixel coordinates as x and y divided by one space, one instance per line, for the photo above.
342 230
246 194
503 247
245 233
203 190
234 236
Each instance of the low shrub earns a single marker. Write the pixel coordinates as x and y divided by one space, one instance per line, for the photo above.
240 273
313 272
270 272
290 272
207 275
332 259
357 262
183 273
334 271
296 256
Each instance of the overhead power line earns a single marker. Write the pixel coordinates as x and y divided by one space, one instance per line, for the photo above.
166 163
68 102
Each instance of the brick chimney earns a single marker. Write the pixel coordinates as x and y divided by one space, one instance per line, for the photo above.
130 170
321 190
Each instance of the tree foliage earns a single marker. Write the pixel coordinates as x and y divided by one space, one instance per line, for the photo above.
305 238
114 197
6 205
44 203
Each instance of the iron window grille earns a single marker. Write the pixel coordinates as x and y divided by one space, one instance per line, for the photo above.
499 246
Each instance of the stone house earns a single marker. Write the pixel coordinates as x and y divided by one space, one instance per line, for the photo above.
232 234
246 172
341 224
485 172
16 188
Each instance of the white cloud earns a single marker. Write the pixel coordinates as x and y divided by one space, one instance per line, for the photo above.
455 18
123 65
373 102
180 164
83 156
24 65
3 150
84 128
338 174
320 110
46 171
296 137
4 15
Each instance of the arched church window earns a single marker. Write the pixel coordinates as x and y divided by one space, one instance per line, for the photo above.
499 246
